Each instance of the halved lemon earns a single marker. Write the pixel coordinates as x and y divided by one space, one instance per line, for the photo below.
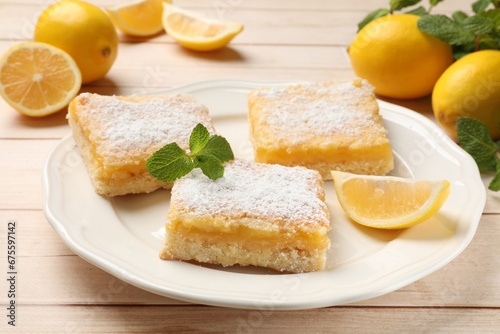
38 79
389 202
195 32
140 18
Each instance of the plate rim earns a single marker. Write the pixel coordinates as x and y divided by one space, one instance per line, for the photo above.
105 264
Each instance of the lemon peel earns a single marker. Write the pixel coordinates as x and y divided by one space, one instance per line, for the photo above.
198 33
140 18
84 31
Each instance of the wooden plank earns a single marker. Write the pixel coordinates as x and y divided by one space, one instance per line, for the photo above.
312 25
311 5
292 40
203 319
139 57
36 236
288 26
21 166
46 259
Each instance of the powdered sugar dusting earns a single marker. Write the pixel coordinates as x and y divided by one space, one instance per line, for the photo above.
141 125
297 113
265 191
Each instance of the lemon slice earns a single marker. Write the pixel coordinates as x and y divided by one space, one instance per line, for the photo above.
38 79
389 202
195 32
141 18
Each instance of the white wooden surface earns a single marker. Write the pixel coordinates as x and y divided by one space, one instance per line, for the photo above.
58 292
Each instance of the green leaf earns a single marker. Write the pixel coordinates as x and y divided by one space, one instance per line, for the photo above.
219 147
372 16
400 4
475 139
199 138
420 11
210 165
445 29
208 152
480 5
488 43
492 14
495 183
479 25
169 163
434 2
459 16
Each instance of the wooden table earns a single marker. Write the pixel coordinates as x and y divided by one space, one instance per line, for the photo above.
57 291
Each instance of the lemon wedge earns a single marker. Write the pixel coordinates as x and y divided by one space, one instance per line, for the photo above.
389 202
38 79
195 32
140 18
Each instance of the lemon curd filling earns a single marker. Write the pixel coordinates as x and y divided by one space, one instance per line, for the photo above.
345 158
206 232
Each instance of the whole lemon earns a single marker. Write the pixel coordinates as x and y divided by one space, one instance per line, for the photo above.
84 31
470 88
398 59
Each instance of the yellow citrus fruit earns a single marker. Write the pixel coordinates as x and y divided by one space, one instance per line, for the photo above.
389 202
84 31
470 88
398 59
38 79
140 18
195 32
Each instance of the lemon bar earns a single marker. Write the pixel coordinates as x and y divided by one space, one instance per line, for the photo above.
257 214
322 126
116 135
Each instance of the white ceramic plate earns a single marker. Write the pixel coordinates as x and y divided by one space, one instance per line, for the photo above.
123 235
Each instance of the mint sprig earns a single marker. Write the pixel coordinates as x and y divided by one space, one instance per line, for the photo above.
207 152
475 139
399 5
465 33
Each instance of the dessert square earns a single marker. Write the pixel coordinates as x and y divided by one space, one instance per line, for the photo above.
257 214
322 126
116 135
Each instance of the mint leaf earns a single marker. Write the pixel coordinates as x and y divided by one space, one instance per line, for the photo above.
199 138
459 16
420 11
400 4
495 183
434 2
481 5
169 163
492 14
219 147
475 139
372 16
445 29
210 165
206 151
479 25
